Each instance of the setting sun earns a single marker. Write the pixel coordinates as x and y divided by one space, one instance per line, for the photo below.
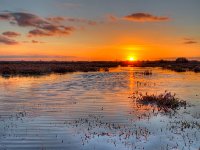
131 58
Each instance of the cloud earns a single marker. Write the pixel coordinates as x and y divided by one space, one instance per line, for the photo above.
189 41
7 41
59 19
11 34
51 31
25 19
43 27
112 18
89 22
37 32
145 17
35 42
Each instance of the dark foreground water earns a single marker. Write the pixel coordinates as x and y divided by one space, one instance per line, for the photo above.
93 111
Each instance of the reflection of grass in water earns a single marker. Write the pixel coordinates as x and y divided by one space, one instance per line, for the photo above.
165 101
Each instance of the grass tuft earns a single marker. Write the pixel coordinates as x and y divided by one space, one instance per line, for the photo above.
164 101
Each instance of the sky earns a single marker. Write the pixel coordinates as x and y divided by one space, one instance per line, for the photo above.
99 29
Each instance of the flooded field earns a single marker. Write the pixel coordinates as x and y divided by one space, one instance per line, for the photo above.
95 111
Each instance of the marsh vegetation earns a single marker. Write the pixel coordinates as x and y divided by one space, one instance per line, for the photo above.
37 68
165 101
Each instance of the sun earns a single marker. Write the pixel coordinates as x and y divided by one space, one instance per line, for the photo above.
131 58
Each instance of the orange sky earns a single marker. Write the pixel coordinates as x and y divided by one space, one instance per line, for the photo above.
98 34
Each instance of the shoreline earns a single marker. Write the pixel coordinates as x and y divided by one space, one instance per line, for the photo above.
37 68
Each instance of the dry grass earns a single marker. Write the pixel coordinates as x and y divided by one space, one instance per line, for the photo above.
32 68
41 68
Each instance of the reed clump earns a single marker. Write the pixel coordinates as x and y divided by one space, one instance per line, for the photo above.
165 101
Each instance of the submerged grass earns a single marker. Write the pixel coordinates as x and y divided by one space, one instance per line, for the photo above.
165 101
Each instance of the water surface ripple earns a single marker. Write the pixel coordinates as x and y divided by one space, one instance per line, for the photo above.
92 111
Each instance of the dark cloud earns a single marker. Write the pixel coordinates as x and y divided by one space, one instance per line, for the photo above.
43 27
189 41
11 34
37 32
7 41
51 30
145 17
24 19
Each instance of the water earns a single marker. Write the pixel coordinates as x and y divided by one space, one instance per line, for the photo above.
93 110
